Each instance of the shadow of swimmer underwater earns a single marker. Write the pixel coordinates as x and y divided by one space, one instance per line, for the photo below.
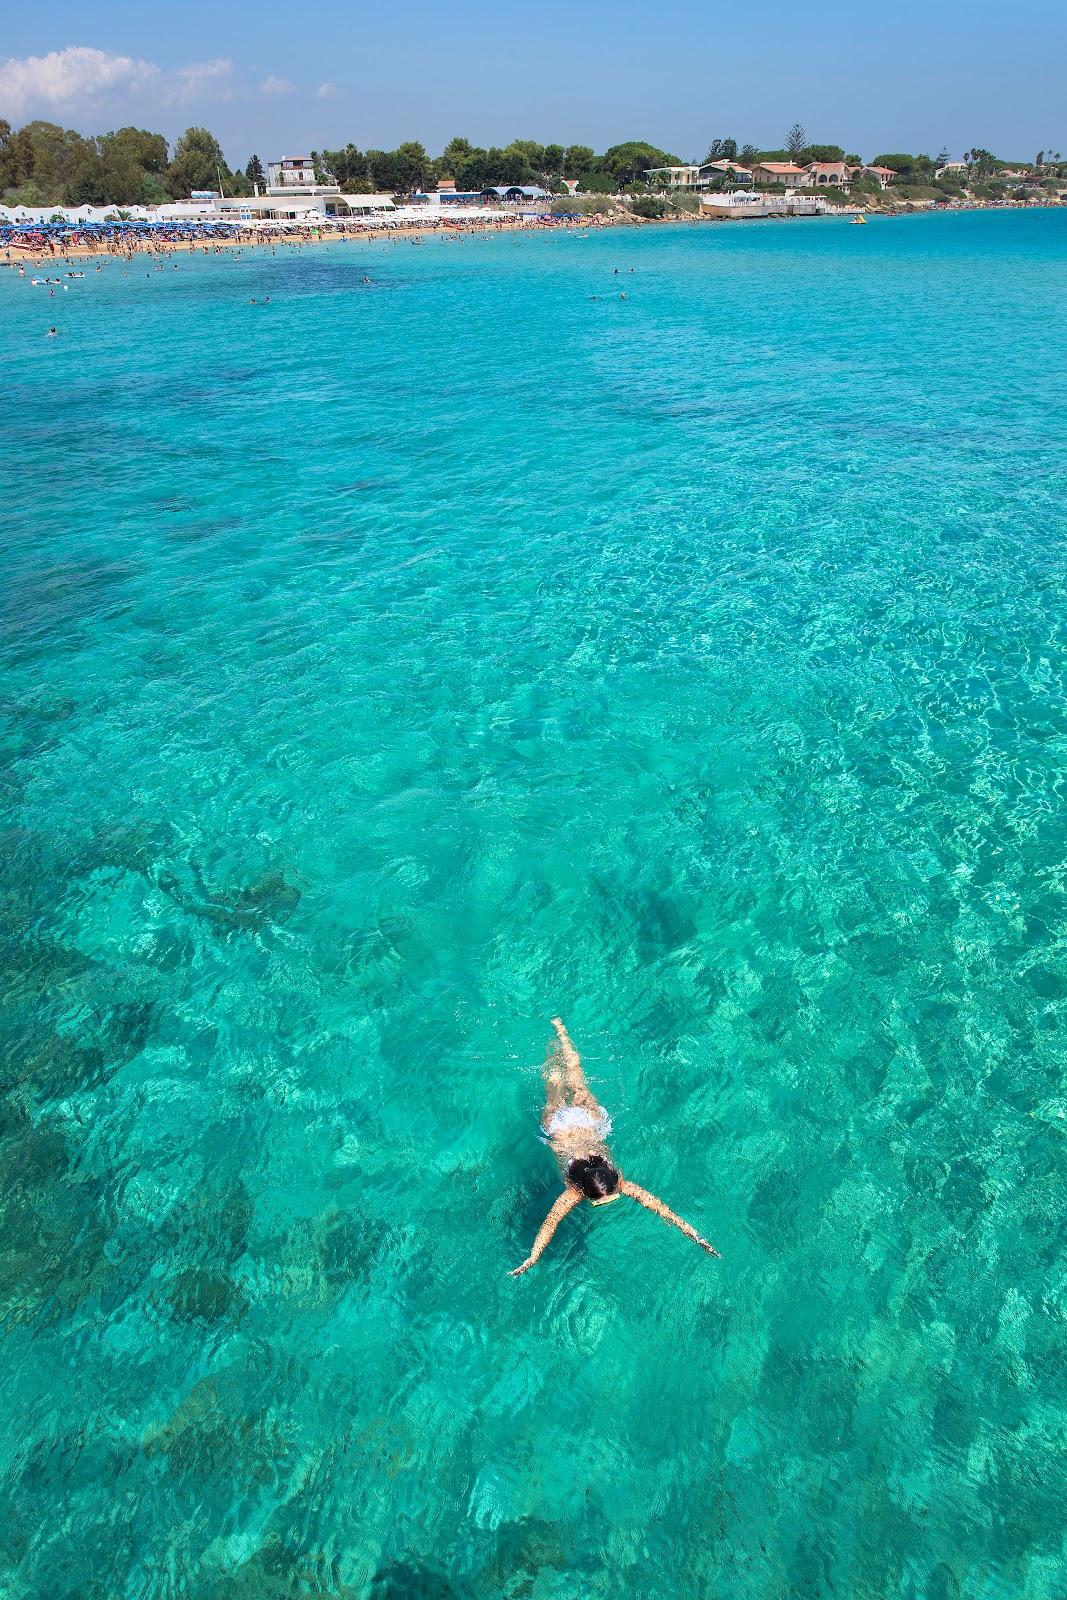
576 1129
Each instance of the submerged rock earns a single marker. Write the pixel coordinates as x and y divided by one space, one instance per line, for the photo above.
318 1258
522 1550
401 1580
271 899
51 1067
209 1227
211 1434
204 1294
53 1234
276 1572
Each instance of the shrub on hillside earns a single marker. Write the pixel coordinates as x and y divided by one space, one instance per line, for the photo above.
651 207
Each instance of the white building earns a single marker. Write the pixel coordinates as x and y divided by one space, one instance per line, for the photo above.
291 172
294 195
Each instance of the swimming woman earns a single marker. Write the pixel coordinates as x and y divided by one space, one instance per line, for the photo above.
577 1129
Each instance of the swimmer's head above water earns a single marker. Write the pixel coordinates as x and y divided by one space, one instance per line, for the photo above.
597 1179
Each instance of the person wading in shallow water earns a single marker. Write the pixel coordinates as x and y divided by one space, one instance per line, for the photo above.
576 1128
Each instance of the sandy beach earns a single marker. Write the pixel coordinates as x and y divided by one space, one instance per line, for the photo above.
15 252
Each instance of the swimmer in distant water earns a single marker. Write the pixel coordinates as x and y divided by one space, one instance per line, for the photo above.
576 1129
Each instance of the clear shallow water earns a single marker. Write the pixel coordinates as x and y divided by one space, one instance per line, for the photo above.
390 667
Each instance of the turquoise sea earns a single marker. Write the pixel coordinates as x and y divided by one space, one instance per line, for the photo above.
389 667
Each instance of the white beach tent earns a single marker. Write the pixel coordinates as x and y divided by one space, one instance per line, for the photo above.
186 211
368 202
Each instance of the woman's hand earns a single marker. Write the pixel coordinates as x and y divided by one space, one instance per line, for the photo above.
566 1202
652 1203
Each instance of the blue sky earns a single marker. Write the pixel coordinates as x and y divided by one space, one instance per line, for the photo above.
280 79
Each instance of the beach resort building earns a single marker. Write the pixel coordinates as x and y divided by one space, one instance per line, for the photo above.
736 205
884 175
302 207
293 194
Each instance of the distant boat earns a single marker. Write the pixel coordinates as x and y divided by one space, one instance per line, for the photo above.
859 222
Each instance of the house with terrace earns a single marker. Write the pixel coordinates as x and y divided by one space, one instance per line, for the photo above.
787 172
821 174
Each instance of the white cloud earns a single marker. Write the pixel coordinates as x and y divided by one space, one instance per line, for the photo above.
275 86
79 73
194 81
325 90
64 77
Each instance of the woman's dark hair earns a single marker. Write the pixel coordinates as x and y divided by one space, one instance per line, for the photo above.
594 1176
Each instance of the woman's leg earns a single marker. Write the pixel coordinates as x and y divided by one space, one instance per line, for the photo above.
555 1088
572 1066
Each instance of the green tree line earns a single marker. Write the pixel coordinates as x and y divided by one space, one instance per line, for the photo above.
470 167
44 164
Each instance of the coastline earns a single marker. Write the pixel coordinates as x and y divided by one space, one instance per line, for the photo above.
16 253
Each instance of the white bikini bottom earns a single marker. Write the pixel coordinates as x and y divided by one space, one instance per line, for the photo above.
577 1118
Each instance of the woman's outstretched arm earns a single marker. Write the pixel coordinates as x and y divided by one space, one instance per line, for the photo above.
566 1202
651 1203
